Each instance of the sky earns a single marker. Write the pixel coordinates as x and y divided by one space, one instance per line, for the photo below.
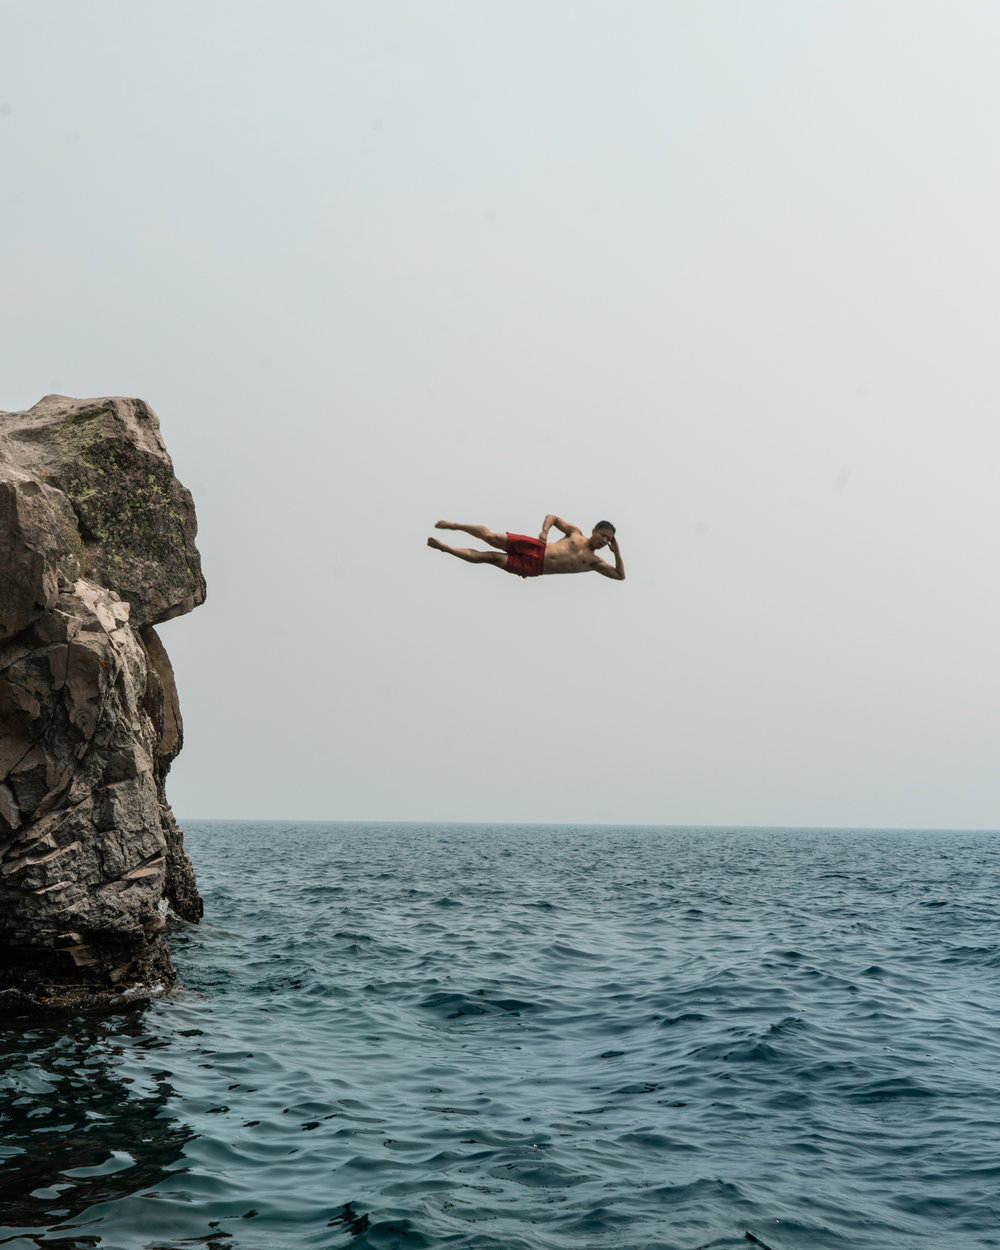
723 273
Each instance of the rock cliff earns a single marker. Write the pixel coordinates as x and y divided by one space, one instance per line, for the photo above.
96 548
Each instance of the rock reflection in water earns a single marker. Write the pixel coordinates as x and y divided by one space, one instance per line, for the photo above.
75 1130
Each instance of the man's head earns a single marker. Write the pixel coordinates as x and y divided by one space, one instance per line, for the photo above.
603 533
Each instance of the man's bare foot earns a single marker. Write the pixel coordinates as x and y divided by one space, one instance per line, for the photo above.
444 525
433 542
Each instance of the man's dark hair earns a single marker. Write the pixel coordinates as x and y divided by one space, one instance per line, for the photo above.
604 525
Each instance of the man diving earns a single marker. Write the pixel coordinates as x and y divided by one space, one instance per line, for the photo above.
575 552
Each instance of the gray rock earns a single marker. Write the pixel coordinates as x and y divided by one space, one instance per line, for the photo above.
96 547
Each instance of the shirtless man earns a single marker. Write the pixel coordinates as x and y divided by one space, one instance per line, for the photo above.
531 557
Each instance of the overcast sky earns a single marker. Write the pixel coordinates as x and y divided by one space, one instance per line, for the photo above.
725 273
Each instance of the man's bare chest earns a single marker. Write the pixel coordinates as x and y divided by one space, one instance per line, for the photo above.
567 556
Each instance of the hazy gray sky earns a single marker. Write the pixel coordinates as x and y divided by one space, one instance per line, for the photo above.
725 273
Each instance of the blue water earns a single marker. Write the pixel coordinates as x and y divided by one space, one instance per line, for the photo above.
535 1038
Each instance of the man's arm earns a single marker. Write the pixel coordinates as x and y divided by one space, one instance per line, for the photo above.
560 524
605 569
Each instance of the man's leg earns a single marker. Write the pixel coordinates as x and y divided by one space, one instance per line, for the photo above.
477 531
499 558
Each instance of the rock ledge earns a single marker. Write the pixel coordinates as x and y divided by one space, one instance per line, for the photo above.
96 548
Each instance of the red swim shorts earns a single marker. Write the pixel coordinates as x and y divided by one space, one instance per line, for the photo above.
525 556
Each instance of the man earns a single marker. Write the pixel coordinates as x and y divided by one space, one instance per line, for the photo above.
531 557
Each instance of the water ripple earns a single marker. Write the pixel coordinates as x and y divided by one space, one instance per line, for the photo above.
535 1038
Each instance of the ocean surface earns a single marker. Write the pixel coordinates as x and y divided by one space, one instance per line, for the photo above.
535 1038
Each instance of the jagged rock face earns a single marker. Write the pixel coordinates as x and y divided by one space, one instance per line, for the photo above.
96 546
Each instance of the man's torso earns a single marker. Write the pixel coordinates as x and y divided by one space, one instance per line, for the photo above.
570 555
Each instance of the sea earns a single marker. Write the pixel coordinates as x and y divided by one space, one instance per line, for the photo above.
553 1037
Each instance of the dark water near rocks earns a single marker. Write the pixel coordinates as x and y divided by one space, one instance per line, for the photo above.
516 1038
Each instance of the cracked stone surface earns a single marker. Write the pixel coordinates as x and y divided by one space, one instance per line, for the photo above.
96 548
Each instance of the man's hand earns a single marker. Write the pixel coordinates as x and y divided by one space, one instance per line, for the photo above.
602 566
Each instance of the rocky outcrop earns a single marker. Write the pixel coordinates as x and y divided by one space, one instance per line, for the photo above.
96 548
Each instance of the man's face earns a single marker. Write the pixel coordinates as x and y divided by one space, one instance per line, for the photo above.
601 538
